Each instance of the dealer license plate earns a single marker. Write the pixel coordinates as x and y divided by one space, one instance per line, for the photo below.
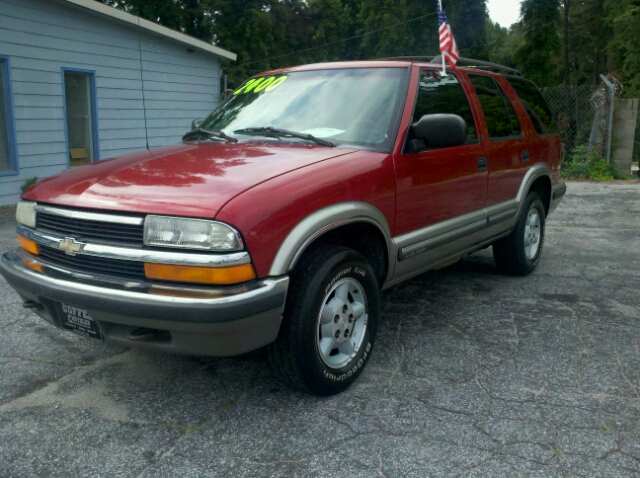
77 320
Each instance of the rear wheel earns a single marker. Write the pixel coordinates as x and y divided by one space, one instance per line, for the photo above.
519 253
330 322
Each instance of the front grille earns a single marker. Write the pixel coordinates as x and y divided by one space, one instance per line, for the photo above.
93 265
85 230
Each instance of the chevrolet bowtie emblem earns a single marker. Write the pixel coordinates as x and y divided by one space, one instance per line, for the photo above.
70 246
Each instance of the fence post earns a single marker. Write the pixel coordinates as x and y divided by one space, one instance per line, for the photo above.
612 102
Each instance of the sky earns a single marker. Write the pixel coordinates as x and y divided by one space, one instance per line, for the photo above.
505 12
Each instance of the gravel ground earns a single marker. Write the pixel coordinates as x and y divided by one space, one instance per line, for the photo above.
474 374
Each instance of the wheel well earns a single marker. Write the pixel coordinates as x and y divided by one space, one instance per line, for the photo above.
365 238
542 186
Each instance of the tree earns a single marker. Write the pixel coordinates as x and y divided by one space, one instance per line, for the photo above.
537 57
395 30
589 36
502 42
469 23
566 8
624 17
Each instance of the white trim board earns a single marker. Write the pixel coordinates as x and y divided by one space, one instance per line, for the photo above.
153 27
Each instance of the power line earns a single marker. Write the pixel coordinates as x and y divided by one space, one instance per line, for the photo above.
346 39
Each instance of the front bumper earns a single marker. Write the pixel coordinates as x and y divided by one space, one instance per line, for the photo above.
193 320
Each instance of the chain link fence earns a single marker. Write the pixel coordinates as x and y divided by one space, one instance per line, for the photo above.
582 116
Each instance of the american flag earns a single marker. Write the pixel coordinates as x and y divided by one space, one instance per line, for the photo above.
448 47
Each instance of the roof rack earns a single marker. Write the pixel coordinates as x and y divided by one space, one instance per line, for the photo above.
467 62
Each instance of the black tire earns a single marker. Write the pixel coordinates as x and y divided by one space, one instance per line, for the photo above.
296 352
510 253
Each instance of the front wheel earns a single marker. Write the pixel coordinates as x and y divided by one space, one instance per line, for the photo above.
330 322
519 253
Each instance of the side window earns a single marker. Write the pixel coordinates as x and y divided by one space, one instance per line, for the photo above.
8 156
443 95
533 101
499 114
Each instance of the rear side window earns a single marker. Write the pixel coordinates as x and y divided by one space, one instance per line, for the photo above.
499 114
443 95
534 103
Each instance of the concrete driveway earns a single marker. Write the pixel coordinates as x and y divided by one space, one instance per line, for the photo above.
474 374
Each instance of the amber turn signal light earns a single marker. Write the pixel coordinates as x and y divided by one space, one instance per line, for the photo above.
199 275
33 265
28 245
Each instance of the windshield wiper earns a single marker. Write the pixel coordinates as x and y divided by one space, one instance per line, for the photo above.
211 133
277 132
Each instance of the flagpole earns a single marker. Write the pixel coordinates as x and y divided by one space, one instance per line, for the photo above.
444 69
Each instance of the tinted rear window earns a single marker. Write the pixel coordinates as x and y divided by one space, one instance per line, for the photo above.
499 114
534 103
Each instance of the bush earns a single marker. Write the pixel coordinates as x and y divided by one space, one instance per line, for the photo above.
590 165
28 183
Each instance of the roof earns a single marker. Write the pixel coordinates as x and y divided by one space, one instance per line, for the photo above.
466 62
153 27
405 61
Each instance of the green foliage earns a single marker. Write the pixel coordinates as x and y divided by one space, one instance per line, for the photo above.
624 17
502 42
589 35
541 45
602 34
590 165
269 34
28 183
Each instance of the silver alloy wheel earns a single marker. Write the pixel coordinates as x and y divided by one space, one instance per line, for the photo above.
532 233
342 323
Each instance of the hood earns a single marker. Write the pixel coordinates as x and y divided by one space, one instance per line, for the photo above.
187 179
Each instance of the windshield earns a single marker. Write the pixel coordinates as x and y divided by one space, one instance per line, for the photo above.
356 107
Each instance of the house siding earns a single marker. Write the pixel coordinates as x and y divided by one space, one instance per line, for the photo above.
148 88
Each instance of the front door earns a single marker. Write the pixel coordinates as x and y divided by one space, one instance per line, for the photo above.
434 185
80 117
440 191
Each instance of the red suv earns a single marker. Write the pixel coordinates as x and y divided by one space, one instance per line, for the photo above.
280 217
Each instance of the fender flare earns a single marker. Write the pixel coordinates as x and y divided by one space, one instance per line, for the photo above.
322 221
534 173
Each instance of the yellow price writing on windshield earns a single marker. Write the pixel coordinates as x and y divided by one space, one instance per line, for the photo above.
263 83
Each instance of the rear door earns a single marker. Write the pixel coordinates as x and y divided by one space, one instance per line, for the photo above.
542 133
507 148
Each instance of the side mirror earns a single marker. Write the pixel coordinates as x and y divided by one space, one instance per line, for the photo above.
195 124
441 130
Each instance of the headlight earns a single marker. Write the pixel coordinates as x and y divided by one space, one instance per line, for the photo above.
26 213
165 231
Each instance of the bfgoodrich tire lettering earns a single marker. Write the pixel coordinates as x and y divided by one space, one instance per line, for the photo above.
519 253
330 322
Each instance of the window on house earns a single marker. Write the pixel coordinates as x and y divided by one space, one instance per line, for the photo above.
499 114
7 145
78 89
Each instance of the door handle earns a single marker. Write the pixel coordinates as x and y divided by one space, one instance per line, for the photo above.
526 156
482 164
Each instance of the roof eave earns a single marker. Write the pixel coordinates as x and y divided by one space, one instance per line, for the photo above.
153 27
